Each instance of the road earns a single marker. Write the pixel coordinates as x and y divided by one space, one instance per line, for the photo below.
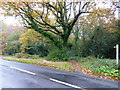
20 75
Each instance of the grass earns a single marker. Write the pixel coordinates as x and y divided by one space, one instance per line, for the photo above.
104 68
66 66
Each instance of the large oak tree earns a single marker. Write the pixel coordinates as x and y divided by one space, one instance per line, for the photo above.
54 20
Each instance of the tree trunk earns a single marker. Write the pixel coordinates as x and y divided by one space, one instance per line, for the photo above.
66 36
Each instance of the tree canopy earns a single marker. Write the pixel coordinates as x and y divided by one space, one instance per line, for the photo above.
53 20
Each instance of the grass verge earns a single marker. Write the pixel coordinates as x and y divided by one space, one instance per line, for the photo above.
66 66
104 68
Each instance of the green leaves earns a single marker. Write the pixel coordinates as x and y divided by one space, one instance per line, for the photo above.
108 70
58 55
25 55
101 67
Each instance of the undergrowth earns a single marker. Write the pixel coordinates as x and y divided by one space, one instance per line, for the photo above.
100 67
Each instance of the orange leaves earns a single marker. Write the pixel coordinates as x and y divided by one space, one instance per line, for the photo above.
101 15
54 3
29 34
101 12
28 38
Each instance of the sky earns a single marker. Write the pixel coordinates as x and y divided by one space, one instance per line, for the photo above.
10 20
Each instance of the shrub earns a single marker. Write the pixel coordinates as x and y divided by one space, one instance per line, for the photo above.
34 56
19 55
12 48
102 69
58 55
38 49
25 55
108 70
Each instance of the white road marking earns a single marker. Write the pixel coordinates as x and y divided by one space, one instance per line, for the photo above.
22 70
74 86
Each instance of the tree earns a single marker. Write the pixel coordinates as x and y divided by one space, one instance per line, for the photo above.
3 36
97 33
33 43
10 44
28 38
53 20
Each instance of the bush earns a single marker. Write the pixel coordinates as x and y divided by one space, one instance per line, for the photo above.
110 71
25 55
22 55
58 55
19 55
39 49
102 66
12 48
34 56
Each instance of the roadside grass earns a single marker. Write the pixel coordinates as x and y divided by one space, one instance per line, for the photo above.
104 68
66 66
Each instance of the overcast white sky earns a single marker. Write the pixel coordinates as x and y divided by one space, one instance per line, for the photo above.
9 20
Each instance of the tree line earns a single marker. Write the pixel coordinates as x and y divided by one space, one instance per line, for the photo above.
61 30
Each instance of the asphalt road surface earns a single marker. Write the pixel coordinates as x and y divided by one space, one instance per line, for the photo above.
20 75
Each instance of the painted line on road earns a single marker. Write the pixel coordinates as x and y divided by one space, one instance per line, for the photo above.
22 70
74 86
